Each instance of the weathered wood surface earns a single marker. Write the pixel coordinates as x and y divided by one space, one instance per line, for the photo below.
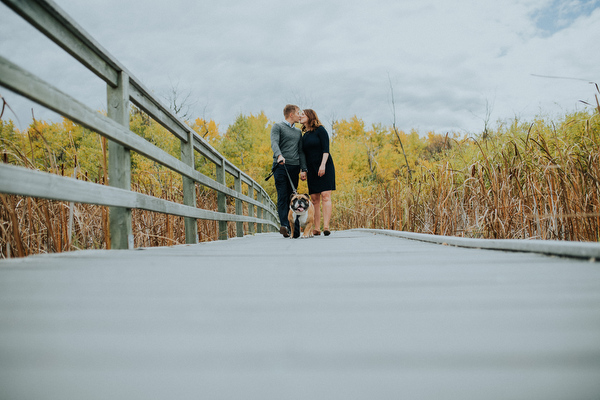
589 250
350 316
19 80
123 87
119 164
26 182
58 26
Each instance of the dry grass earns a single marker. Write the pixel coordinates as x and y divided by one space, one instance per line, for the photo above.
33 226
43 226
536 183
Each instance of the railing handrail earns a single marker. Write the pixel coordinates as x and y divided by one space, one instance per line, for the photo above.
57 25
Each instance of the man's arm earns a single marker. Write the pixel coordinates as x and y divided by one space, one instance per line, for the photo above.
275 136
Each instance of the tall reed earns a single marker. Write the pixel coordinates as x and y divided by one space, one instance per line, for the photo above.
32 226
534 181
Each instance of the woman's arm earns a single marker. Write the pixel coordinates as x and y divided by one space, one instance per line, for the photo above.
324 138
323 163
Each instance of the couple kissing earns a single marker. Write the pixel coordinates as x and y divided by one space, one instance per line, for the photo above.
302 154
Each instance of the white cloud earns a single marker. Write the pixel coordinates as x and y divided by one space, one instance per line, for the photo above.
446 60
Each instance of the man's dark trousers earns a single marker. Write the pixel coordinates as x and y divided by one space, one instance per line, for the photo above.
285 190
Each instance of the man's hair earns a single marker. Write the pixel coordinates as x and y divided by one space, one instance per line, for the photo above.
290 108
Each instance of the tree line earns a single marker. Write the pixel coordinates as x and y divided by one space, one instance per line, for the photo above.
521 179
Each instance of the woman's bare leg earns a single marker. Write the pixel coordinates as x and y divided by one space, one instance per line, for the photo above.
327 208
316 200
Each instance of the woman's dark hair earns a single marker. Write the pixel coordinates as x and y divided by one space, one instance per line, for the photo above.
313 121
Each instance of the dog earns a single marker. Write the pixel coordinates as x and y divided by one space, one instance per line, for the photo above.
301 208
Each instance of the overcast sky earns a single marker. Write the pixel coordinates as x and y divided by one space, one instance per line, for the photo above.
449 62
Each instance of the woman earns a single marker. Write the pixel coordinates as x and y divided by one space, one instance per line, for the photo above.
321 171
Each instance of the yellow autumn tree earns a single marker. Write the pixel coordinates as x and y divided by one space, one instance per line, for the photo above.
247 144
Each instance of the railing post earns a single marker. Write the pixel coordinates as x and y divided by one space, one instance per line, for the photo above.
270 228
271 214
239 207
221 200
189 190
251 208
119 164
259 211
273 218
266 214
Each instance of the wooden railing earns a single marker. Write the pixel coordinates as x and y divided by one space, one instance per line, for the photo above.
122 90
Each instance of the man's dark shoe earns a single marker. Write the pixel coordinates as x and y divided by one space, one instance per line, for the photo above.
284 231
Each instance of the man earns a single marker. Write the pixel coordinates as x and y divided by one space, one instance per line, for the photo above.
286 143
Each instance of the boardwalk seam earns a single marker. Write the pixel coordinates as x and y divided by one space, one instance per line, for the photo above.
587 250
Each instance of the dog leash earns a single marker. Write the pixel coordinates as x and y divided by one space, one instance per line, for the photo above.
272 172
286 172
290 178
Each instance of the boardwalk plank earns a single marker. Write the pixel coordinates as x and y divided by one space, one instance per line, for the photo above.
351 316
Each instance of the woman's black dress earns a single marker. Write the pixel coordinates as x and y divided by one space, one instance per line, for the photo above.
314 144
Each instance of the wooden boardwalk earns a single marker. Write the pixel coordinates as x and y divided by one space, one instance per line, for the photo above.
352 316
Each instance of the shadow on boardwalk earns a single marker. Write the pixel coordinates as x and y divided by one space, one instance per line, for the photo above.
352 316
